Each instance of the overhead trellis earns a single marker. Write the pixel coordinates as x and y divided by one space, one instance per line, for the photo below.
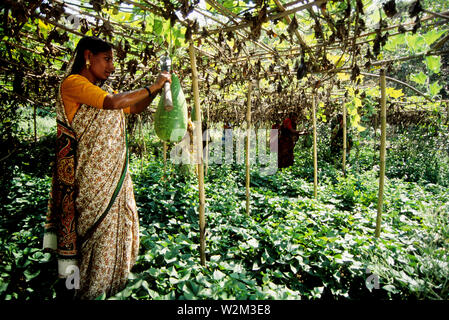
286 45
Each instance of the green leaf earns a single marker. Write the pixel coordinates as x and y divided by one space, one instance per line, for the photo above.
394 42
101 297
253 243
435 88
186 276
172 272
29 275
433 63
294 270
419 78
317 292
390 288
173 281
218 275
255 266
158 25
433 35
3 286
416 43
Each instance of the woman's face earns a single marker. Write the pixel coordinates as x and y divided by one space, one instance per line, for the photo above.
102 65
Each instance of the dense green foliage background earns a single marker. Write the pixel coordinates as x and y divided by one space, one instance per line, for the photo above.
291 246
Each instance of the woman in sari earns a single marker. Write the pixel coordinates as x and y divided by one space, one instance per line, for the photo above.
92 218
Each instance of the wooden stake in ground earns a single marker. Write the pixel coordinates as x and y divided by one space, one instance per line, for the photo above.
383 122
207 142
164 147
199 154
35 123
344 139
248 143
315 157
143 151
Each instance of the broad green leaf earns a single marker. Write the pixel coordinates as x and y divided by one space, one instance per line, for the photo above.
31 275
3 285
166 27
390 288
360 128
375 16
433 35
394 42
253 243
158 26
43 27
433 63
218 275
335 59
416 43
357 102
435 88
419 78
394 93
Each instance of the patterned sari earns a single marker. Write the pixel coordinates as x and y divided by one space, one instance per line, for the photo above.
91 156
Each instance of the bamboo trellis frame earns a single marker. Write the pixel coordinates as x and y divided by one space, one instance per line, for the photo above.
286 13
199 154
344 138
315 154
383 116
153 9
248 148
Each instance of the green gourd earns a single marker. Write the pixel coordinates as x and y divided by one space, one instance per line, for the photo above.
170 124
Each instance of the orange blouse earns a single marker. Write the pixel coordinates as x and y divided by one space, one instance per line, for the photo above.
77 90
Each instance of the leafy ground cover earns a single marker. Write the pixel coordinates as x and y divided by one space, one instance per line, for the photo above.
292 246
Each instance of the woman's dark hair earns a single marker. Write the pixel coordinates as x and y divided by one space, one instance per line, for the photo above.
94 44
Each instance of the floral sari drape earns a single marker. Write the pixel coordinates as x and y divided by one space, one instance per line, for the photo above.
107 255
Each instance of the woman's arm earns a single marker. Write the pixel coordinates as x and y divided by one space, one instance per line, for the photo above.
143 104
138 99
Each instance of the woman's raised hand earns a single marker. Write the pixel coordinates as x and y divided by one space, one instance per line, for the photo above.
162 79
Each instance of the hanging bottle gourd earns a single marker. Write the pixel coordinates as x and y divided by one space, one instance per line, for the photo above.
170 121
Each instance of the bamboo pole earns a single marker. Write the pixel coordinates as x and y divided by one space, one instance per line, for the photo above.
164 147
315 160
344 139
199 140
383 119
141 137
35 123
248 142
207 142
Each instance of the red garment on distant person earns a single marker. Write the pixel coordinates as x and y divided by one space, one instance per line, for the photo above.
286 144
